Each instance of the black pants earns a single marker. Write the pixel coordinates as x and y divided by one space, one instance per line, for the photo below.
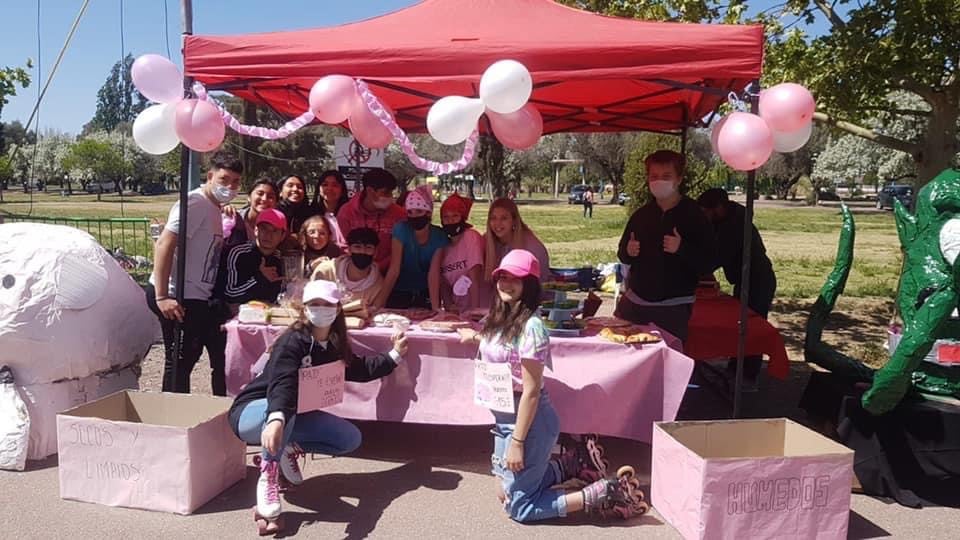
673 319
408 299
759 300
200 328
587 207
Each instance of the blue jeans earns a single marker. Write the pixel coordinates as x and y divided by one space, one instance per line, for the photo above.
315 432
528 493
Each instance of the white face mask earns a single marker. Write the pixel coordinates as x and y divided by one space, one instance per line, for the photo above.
662 189
223 194
321 316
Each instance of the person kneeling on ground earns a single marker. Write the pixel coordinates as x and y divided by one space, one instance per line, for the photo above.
524 438
266 411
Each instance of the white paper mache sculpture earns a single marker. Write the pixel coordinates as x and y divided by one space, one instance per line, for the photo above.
74 326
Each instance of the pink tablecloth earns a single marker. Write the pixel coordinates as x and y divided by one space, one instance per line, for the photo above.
596 386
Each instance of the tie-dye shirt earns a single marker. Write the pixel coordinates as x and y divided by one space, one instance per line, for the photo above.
533 344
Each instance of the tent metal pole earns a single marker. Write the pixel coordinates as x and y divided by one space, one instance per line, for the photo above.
186 23
753 94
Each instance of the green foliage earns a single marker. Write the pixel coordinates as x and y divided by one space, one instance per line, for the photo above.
92 159
6 170
118 100
10 79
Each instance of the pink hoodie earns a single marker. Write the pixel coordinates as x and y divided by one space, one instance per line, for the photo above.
353 216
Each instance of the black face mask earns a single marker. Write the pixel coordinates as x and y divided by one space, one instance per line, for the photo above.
361 260
454 229
418 223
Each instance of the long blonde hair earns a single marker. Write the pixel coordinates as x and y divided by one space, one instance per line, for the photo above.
490 259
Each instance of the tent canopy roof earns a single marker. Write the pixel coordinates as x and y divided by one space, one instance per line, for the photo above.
590 72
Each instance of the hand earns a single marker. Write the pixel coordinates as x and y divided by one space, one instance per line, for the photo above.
171 309
633 246
229 210
514 456
467 335
671 242
271 437
269 272
400 343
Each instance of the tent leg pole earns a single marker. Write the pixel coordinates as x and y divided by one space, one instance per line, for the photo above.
753 92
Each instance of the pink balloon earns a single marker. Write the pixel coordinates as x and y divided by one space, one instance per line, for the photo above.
715 132
787 107
367 128
199 125
518 130
745 142
157 78
333 98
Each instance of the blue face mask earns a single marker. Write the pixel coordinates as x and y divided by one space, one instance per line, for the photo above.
223 194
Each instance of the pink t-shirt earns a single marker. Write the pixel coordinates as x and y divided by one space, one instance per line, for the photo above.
533 344
460 257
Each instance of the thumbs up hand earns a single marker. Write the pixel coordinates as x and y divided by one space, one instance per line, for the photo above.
633 246
269 272
671 242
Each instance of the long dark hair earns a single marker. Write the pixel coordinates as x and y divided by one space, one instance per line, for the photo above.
338 331
509 320
344 196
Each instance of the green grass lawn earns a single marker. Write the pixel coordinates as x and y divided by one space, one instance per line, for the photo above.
800 241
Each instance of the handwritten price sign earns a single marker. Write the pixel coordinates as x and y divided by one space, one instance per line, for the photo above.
320 387
493 386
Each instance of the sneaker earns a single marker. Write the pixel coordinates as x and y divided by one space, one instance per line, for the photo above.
620 497
268 490
290 464
583 460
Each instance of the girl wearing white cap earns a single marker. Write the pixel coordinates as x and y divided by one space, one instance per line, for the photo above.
269 412
414 244
524 437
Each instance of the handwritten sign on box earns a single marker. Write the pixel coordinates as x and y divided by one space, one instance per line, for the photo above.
493 386
320 387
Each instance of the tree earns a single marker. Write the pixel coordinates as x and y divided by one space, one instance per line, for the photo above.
605 154
15 134
10 79
488 164
783 171
875 48
92 159
118 100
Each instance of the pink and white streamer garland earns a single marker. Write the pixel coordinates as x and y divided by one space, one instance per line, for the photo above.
372 103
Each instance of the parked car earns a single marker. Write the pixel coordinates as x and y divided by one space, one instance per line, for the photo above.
153 188
892 192
104 186
576 194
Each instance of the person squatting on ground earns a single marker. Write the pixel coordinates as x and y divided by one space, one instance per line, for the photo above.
266 411
199 318
524 439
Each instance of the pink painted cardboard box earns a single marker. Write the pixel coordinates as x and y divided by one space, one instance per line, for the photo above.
769 478
155 451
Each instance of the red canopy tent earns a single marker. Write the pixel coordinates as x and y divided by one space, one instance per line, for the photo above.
590 72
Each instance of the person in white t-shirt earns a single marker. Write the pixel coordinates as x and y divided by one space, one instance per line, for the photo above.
456 274
196 319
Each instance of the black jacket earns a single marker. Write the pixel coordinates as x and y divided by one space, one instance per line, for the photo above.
656 275
240 280
280 379
730 248
296 214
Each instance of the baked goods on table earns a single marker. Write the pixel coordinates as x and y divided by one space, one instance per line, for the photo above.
629 335
607 322
444 322
281 316
475 314
254 313
390 319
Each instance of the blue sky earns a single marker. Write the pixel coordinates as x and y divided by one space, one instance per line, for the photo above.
71 100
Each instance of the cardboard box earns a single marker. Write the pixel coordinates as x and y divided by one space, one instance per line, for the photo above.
165 452
770 478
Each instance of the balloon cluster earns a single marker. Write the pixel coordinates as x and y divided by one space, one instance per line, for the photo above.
745 141
173 119
505 88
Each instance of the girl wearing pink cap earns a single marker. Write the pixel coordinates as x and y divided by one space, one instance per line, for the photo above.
524 437
268 413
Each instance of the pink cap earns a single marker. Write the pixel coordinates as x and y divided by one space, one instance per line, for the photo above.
323 290
273 217
519 263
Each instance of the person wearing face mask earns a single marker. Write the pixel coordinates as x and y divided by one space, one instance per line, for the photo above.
668 244
456 274
374 208
355 273
268 412
414 245
199 322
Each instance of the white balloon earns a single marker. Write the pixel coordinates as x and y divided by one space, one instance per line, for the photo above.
505 86
154 129
452 119
791 141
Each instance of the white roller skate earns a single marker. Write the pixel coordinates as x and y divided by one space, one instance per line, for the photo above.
620 497
267 511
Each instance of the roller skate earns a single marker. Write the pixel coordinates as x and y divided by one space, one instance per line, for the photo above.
267 511
582 458
290 474
616 497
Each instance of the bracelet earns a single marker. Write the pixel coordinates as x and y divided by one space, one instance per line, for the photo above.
159 298
273 420
518 440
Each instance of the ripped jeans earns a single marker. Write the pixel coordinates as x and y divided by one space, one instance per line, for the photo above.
528 493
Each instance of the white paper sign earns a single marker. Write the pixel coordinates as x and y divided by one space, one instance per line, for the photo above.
320 387
493 386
